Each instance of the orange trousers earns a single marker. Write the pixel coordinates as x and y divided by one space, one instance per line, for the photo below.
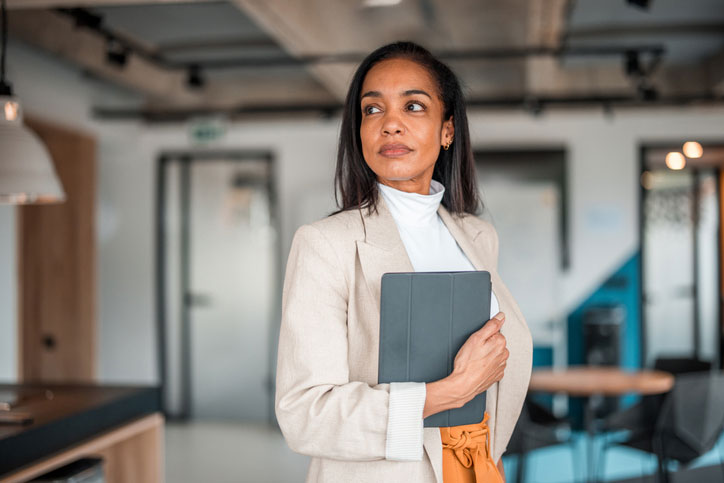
466 454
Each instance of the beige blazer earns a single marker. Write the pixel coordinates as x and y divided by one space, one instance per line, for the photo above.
328 402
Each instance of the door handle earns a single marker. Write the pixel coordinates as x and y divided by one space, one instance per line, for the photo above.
197 300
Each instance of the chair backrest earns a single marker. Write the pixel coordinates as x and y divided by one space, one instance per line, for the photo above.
536 428
692 416
681 365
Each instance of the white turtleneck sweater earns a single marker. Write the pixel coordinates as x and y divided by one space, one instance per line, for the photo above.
430 248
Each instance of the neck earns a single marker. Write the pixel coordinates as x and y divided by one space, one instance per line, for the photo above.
413 209
413 185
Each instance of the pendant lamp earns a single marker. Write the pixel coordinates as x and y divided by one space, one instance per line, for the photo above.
27 174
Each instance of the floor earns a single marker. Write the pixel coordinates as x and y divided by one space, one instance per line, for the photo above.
232 452
556 465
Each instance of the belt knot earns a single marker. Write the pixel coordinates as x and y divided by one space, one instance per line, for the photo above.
468 445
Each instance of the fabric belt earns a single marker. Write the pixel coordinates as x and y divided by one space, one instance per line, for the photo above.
466 454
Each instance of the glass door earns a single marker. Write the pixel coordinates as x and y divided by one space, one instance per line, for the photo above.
680 244
220 288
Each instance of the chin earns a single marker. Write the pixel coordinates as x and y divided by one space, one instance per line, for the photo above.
400 172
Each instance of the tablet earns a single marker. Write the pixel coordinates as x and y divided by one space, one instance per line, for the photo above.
425 317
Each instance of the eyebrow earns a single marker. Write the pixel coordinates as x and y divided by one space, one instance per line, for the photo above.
406 93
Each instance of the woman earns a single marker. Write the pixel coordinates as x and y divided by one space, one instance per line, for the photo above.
405 176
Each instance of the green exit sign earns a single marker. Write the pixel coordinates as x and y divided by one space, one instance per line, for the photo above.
206 130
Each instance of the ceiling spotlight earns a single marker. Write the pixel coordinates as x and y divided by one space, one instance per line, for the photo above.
647 92
642 4
693 150
675 161
195 80
116 52
632 63
532 106
84 18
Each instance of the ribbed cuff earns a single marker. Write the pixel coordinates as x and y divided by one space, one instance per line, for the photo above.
404 422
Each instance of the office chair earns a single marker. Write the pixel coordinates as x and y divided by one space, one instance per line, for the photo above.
640 419
537 428
688 423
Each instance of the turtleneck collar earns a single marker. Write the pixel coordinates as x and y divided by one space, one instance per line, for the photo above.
413 209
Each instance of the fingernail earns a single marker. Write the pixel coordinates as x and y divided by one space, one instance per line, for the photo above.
499 316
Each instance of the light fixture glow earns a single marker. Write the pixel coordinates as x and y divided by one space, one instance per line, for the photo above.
11 110
675 161
693 150
647 180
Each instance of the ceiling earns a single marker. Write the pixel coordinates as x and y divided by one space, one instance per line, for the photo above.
254 57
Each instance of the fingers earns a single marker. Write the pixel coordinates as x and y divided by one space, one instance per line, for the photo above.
498 339
492 327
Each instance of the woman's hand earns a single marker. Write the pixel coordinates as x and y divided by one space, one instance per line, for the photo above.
479 364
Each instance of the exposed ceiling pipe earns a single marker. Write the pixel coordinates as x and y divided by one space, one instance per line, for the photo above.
534 105
86 19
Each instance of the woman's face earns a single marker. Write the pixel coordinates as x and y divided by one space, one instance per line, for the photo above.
402 126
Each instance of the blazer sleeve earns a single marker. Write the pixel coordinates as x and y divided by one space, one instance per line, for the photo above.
320 411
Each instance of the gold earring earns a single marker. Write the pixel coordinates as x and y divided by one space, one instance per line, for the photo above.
447 146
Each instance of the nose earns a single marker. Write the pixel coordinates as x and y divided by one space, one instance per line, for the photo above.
392 125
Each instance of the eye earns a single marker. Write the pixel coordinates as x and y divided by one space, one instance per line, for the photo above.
415 107
371 110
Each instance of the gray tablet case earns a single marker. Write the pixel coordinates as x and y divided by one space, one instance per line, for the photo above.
425 317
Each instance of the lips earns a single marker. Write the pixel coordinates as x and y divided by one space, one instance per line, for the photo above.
393 150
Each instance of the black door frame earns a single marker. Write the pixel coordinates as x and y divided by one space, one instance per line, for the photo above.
674 146
186 158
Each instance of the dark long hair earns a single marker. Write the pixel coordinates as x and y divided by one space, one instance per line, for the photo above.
356 184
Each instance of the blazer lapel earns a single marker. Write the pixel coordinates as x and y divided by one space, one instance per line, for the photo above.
382 250
465 235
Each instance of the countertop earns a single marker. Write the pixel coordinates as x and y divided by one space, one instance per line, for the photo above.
64 415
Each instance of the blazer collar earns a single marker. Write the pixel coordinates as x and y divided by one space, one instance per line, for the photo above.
381 231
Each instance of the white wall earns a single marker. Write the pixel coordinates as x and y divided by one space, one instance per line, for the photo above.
603 183
303 154
603 174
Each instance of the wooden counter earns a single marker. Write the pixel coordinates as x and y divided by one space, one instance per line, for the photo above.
120 424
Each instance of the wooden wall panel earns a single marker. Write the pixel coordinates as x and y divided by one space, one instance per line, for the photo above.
57 267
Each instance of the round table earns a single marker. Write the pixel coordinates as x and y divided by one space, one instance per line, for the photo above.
597 381
587 381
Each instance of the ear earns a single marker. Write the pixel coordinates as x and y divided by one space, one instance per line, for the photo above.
448 131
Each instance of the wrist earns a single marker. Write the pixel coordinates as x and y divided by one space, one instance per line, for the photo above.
456 386
442 395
